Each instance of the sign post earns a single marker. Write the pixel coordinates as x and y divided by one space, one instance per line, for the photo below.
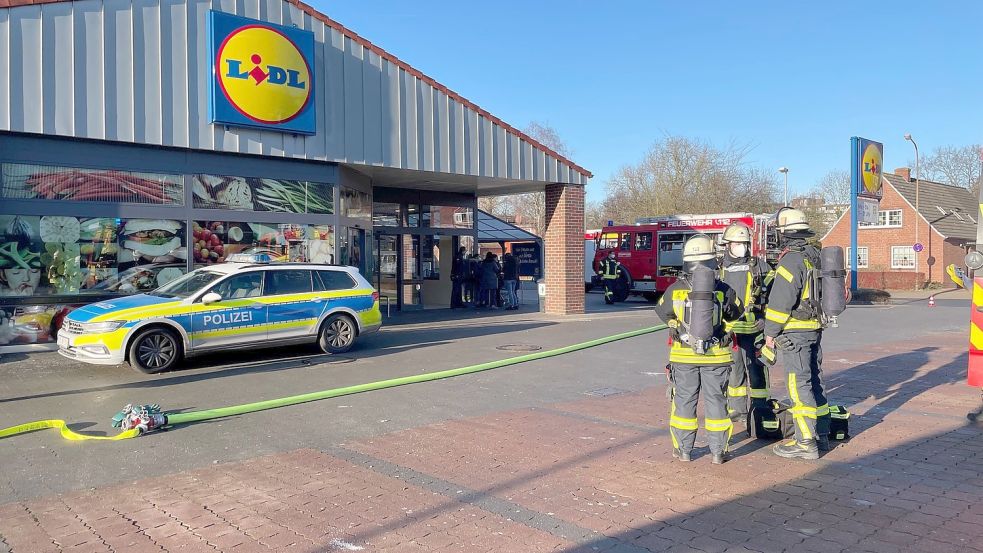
866 159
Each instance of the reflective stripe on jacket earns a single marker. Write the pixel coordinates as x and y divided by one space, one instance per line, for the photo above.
789 295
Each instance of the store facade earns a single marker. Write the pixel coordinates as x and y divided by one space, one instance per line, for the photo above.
142 139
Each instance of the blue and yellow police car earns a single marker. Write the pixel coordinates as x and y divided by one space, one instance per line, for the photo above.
246 301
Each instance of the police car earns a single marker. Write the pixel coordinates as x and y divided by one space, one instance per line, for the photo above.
248 301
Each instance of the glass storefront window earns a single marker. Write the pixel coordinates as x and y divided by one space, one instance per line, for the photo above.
413 215
29 182
445 216
355 204
385 215
256 194
61 255
213 241
430 258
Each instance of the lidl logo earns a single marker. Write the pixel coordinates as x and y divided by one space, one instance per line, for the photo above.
261 75
870 167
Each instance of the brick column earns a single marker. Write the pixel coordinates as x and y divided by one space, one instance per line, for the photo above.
564 249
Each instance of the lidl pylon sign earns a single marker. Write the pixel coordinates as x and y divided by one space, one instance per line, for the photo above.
261 75
871 167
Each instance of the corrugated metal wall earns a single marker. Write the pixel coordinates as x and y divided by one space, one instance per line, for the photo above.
137 70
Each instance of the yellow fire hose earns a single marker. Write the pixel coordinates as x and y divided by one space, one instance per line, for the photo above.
209 414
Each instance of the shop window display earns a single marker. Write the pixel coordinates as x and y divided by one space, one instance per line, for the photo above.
256 194
63 259
213 241
355 204
28 182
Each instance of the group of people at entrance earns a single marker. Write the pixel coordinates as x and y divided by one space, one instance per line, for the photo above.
728 316
485 283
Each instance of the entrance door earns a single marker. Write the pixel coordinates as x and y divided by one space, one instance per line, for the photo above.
412 283
387 271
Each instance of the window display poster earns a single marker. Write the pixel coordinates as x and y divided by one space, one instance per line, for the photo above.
63 255
214 241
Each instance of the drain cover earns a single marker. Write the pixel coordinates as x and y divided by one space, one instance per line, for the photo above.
605 392
519 347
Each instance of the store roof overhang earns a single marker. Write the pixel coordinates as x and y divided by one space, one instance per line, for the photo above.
445 182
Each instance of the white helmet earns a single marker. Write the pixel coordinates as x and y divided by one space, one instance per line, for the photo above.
791 220
736 232
699 247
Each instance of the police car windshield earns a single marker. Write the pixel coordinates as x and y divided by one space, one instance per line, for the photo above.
187 284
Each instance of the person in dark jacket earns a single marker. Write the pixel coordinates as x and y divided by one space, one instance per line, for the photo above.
510 275
488 281
459 274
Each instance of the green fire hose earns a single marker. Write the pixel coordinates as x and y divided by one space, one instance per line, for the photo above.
220 412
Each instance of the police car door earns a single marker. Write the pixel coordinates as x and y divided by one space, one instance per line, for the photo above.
240 317
293 306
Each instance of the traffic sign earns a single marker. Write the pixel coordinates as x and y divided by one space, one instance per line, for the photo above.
918 247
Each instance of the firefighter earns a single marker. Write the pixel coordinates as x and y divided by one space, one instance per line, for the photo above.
610 271
749 277
695 308
793 326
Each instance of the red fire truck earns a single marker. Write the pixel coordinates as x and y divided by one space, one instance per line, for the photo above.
651 251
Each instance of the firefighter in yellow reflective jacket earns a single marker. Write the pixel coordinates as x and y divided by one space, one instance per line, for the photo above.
610 271
695 308
749 277
792 326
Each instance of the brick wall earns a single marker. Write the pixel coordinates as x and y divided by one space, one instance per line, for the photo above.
889 280
878 242
564 245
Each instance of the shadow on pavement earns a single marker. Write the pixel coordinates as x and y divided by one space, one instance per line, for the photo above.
921 495
255 361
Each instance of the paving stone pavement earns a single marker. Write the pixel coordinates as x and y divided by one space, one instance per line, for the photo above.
589 475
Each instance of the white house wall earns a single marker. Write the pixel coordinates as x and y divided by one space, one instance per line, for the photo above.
137 71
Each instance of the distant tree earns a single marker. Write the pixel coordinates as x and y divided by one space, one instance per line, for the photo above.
594 215
834 187
955 165
682 175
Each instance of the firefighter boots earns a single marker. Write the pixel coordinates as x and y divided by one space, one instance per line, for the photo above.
681 455
822 442
718 458
792 449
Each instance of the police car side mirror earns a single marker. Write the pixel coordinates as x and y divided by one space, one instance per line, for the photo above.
211 297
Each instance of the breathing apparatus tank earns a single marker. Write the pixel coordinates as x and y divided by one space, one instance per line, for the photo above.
833 284
702 308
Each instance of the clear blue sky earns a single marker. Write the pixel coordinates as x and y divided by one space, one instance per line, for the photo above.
795 79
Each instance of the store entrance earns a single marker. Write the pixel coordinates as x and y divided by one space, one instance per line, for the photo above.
414 270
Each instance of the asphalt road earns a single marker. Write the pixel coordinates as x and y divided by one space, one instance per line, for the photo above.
41 386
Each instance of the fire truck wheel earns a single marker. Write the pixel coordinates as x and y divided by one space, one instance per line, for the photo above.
651 297
621 289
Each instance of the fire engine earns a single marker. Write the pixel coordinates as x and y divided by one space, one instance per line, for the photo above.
651 250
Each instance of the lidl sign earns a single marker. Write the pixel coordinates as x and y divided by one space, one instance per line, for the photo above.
871 166
261 75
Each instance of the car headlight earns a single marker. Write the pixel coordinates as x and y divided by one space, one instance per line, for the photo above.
105 326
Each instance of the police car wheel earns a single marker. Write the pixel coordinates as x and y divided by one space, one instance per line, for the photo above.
154 351
337 334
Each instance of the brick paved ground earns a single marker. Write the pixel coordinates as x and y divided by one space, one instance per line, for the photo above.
589 475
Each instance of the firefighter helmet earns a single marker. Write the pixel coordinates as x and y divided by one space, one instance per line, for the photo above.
699 247
736 232
791 220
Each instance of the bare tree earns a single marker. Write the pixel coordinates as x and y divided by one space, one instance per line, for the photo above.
955 165
681 175
834 187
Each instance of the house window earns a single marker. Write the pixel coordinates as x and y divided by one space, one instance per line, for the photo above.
861 258
902 257
886 218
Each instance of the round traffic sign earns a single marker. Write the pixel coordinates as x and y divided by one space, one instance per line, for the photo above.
918 247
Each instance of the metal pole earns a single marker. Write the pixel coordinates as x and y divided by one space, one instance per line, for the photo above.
786 187
854 187
918 217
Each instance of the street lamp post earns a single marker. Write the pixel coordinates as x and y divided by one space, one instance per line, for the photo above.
908 137
784 171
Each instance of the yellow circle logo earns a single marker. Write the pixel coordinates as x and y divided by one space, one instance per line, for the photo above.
872 169
263 74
